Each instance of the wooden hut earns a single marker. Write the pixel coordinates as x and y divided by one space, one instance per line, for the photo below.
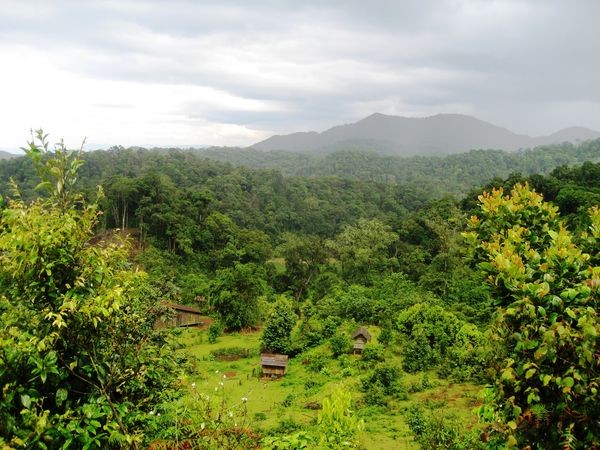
273 365
179 316
360 337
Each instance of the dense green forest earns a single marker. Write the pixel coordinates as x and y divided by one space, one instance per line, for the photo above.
454 174
496 287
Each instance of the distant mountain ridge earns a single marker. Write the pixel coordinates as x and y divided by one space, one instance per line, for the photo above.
7 155
441 134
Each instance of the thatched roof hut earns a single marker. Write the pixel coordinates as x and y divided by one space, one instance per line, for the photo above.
360 337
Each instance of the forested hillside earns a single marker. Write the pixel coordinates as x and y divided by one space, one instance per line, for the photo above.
454 174
296 264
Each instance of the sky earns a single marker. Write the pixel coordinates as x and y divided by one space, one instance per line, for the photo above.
231 73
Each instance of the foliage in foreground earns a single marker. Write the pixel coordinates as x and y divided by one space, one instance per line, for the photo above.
80 366
546 282
337 428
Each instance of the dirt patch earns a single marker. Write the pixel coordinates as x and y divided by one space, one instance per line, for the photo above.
230 374
228 357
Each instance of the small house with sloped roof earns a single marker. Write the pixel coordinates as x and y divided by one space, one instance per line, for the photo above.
179 316
273 365
360 338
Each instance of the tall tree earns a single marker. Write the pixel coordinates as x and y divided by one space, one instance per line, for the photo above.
365 250
277 332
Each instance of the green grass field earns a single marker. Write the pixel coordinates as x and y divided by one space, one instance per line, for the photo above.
283 404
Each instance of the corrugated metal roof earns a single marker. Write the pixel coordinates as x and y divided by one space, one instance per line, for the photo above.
270 359
183 308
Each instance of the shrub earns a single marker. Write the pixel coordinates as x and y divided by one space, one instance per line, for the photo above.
427 331
80 364
338 427
545 281
375 395
288 400
386 335
318 361
330 326
260 416
437 431
420 385
214 331
373 353
232 353
340 344
468 357
295 441
382 381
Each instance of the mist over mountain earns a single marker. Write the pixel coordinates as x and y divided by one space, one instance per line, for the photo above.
441 134
7 155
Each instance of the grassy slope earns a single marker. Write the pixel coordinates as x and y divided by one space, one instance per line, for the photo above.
384 427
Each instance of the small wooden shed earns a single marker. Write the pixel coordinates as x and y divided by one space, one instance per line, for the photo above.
273 365
360 337
182 316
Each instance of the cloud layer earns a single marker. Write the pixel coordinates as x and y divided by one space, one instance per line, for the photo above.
232 73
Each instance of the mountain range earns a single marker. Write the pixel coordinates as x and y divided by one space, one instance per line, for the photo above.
7 155
441 134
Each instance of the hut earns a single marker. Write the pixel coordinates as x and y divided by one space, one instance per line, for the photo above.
360 337
273 365
179 316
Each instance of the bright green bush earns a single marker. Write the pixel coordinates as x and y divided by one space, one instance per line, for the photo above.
340 344
427 332
215 330
80 364
373 353
435 430
548 325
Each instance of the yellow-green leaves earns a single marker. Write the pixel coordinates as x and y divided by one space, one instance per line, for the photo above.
543 278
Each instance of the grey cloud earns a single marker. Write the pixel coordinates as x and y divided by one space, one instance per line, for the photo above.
321 59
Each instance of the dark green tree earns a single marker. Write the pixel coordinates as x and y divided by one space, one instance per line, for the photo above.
278 328
234 295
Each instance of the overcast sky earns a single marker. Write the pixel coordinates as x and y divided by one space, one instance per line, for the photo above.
236 72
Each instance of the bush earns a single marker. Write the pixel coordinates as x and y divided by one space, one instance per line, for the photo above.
436 431
386 335
545 280
467 359
373 353
387 375
232 353
421 385
382 381
330 326
288 400
318 361
80 363
338 427
375 395
214 331
345 361
260 416
427 331
340 344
